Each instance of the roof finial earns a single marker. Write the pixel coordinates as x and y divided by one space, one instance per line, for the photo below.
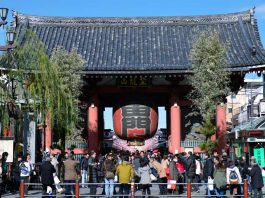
252 12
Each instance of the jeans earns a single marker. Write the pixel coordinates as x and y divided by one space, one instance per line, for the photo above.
69 189
220 192
124 189
84 177
208 191
109 187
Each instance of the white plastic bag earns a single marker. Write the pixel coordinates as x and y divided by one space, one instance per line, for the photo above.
153 178
116 178
49 190
210 183
263 172
56 180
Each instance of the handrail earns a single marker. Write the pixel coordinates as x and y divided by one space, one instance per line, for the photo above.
132 184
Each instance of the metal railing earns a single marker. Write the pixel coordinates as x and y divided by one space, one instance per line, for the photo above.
132 193
191 143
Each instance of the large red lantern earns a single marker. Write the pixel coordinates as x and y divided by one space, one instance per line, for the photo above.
135 122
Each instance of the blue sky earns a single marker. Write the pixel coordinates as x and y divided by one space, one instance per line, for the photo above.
136 8
112 8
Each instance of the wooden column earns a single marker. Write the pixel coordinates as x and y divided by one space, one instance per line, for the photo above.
175 138
221 126
48 132
93 124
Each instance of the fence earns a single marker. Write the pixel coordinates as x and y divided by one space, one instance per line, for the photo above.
132 193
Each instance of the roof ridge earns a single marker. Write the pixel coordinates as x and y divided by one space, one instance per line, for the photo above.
230 17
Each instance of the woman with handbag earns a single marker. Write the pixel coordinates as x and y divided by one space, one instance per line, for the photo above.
219 178
144 172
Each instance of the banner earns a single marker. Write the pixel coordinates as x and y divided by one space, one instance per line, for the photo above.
259 155
29 128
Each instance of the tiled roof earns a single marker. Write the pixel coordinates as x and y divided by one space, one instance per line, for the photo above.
147 44
252 124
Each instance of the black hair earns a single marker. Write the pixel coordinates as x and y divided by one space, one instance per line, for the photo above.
125 158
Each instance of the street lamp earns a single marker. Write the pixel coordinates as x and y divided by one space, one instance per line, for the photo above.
10 37
3 15
10 34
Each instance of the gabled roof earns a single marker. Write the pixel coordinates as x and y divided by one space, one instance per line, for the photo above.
147 44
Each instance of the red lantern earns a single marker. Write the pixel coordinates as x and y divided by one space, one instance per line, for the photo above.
135 121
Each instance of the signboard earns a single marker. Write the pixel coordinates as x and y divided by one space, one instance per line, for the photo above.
7 146
238 151
259 155
262 107
29 127
140 81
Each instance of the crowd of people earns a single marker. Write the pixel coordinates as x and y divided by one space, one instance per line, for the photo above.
115 172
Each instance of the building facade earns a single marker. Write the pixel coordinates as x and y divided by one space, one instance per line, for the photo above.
140 63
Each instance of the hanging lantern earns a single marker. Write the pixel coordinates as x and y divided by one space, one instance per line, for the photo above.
135 122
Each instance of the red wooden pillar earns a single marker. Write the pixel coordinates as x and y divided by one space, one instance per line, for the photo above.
221 126
93 125
175 137
48 132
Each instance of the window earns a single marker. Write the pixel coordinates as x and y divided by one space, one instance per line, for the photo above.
230 110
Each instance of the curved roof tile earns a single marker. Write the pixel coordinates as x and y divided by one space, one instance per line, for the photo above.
147 44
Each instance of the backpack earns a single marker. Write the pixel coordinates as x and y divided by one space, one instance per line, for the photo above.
24 170
233 177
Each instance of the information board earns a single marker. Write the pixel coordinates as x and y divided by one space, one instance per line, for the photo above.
259 155
7 146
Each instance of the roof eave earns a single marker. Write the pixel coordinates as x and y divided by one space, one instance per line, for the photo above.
244 69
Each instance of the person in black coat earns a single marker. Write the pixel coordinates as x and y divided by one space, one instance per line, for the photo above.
93 172
208 171
256 178
16 172
47 171
191 167
84 169
243 168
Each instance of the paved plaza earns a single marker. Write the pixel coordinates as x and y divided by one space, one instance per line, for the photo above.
84 192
